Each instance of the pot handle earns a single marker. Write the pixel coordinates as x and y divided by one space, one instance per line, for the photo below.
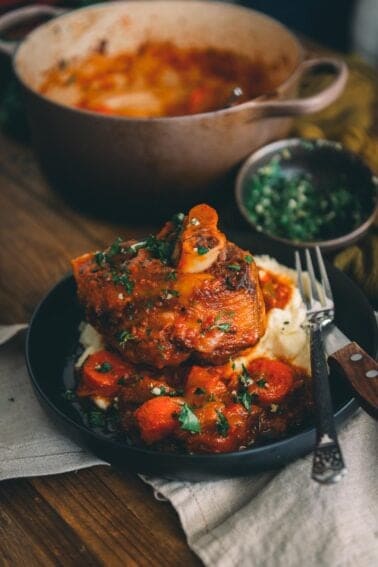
308 105
21 16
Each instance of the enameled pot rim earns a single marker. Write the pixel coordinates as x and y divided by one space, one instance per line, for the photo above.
239 108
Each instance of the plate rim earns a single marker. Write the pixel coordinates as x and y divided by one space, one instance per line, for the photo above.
346 410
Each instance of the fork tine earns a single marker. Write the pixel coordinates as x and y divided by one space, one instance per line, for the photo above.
313 292
298 266
323 273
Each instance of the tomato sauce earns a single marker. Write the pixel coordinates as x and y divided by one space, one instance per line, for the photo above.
159 79
277 289
199 409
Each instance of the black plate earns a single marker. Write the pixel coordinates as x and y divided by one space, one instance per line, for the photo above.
52 340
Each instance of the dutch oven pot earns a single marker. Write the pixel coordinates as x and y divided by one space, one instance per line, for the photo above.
109 159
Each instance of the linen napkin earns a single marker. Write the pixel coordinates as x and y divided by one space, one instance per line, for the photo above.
29 444
273 519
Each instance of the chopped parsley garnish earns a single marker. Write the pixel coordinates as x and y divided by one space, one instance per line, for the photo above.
178 219
103 257
159 391
107 420
189 420
248 259
261 383
115 248
161 347
125 336
122 381
222 424
234 267
199 391
244 377
100 258
246 399
161 249
201 250
171 276
243 396
224 327
124 280
162 391
96 418
294 206
169 293
69 395
104 367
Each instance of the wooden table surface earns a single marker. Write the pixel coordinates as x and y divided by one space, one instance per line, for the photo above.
96 516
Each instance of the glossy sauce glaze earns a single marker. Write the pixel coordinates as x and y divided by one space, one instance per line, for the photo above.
160 79
201 409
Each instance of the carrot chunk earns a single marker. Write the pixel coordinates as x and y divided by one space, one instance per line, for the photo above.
272 379
204 382
157 418
101 373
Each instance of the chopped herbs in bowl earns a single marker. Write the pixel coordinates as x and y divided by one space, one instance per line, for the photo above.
307 192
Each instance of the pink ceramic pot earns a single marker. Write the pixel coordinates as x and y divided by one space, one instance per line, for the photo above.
117 159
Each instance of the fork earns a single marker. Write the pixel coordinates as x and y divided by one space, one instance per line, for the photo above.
328 464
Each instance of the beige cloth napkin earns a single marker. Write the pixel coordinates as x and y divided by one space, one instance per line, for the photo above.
273 519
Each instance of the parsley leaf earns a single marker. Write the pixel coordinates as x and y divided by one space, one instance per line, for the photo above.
189 420
100 258
159 391
69 395
96 418
225 327
246 399
169 293
178 219
171 276
245 377
222 424
104 367
234 267
115 248
125 336
161 249
261 383
124 280
201 250
248 259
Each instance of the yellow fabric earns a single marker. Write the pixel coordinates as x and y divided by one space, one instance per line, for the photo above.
349 120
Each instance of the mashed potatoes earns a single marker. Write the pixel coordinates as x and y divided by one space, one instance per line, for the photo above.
285 336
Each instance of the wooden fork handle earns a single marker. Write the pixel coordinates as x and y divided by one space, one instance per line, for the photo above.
362 372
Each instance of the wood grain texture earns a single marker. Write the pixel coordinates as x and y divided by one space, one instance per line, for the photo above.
361 370
91 517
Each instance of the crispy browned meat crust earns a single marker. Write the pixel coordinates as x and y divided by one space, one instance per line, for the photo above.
188 294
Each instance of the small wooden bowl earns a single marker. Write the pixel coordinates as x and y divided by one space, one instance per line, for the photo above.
325 161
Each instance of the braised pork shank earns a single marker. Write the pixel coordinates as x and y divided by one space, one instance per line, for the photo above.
185 294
